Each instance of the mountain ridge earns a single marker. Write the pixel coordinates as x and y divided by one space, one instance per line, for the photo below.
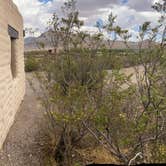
30 43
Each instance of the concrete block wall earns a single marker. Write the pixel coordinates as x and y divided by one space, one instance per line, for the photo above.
12 89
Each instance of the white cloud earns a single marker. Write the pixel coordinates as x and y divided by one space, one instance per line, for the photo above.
37 14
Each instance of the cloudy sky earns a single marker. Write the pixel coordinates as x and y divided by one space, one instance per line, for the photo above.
131 13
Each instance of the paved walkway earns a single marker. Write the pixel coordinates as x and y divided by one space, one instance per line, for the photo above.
25 143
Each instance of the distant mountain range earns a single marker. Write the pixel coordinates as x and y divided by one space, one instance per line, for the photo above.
30 43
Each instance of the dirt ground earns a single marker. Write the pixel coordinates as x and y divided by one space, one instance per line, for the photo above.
24 145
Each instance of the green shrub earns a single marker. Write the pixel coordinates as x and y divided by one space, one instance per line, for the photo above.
31 64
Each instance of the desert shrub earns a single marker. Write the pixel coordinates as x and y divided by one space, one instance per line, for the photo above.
35 53
126 118
31 64
71 85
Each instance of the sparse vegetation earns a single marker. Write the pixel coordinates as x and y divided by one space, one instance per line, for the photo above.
31 64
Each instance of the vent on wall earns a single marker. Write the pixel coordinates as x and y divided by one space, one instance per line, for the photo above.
14 35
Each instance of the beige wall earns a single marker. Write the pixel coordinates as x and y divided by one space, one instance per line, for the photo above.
11 89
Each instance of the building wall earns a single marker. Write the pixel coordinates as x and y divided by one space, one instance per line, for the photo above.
11 88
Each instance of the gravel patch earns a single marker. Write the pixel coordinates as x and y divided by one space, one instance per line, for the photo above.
25 143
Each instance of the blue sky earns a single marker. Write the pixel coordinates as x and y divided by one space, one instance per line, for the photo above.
131 13
124 1
45 1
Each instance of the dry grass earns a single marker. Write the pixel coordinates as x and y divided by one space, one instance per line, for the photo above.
97 155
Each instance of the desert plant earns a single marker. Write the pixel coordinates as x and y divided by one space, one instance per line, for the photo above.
31 64
68 83
80 97
131 119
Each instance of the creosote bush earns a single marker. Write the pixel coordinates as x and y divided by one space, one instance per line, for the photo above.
82 98
31 64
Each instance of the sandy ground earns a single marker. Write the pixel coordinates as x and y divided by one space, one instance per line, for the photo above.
130 71
25 142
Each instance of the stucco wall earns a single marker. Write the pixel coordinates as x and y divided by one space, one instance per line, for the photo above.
11 89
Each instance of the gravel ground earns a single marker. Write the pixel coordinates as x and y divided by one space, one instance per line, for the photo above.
25 143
